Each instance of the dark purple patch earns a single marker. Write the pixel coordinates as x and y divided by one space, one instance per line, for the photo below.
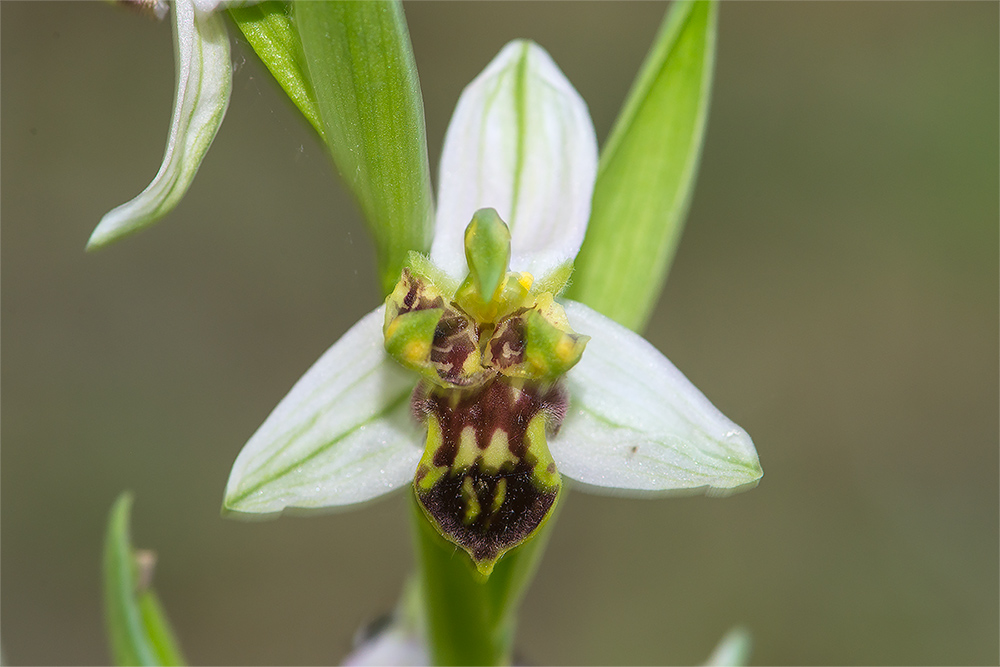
455 338
495 406
416 297
490 533
506 346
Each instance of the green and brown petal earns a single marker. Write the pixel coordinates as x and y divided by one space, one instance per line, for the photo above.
428 335
487 480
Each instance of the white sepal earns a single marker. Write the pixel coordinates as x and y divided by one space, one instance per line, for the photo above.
204 82
343 434
520 141
394 646
733 649
637 426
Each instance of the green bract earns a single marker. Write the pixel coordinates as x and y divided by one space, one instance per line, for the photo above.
520 142
647 170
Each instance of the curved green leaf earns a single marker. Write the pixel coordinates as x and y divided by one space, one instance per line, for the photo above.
364 77
647 171
269 29
139 631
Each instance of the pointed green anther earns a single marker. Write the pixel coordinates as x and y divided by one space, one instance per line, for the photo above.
487 250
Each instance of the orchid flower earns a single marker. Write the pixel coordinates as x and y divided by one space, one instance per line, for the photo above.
471 382
204 83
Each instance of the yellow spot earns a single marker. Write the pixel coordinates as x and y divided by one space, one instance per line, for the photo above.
468 452
472 364
564 349
416 351
544 472
471 501
391 328
431 472
497 453
525 279
499 495
431 475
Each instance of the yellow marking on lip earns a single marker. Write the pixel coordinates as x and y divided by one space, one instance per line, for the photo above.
431 472
499 495
468 451
472 508
497 452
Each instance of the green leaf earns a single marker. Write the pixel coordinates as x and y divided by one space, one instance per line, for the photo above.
137 626
647 171
269 29
362 70
470 620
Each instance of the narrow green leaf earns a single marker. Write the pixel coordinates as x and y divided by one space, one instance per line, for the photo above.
471 620
269 29
138 629
647 171
362 70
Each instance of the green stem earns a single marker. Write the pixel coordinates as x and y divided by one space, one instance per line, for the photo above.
471 619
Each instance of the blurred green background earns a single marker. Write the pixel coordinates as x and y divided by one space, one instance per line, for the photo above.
835 293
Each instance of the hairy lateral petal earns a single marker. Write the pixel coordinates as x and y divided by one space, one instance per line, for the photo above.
343 434
204 81
520 141
636 425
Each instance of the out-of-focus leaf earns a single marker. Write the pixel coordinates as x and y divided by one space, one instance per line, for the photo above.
139 631
271 33
647 171
364 78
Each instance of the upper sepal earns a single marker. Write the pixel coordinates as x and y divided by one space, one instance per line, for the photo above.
637 425
342 435
520 141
